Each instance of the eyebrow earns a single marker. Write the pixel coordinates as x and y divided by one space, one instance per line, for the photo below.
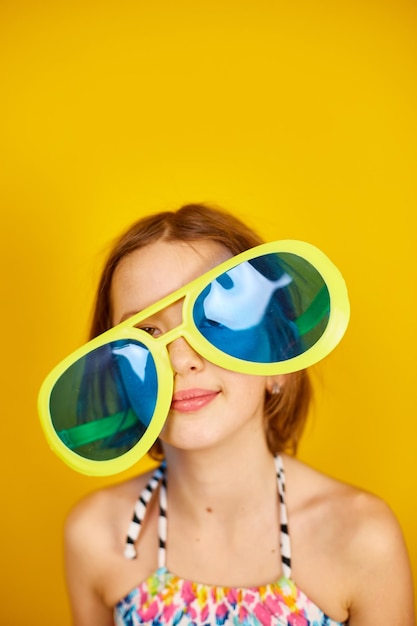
127 315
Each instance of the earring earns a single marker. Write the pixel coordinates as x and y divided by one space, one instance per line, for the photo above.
276 388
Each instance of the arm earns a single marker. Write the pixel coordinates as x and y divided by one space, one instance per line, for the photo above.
83 547
382 589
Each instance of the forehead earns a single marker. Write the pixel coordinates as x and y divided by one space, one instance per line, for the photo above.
150 273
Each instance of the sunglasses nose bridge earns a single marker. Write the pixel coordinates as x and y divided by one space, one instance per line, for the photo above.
179 353
174 333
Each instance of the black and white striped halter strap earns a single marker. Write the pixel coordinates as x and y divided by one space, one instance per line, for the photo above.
159 479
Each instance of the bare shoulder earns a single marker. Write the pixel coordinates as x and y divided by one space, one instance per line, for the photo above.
356 513
99 514
95 531
96 528
359 543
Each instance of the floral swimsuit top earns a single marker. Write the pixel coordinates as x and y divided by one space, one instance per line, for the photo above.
167 599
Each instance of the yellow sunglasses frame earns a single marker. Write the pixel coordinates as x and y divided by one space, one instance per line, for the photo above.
335 329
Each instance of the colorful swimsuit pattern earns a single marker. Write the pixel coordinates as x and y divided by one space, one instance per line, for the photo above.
167 599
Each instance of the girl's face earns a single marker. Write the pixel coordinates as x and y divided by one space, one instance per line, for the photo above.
210 405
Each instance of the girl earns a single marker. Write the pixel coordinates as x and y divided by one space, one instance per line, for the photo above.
215 537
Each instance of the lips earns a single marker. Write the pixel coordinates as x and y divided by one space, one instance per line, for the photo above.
192 399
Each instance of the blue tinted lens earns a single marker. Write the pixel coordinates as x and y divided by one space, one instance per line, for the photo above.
266 310
102 404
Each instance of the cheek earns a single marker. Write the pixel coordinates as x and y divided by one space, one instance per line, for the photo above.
246 388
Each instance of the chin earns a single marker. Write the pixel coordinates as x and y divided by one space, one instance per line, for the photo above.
188 442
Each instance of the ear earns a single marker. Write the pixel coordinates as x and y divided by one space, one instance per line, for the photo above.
274 384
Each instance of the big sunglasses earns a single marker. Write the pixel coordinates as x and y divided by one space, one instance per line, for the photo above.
274 309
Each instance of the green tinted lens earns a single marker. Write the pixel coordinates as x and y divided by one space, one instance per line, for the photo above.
103 403
267 310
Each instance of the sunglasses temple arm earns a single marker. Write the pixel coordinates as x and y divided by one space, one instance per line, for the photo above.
90 432
318 309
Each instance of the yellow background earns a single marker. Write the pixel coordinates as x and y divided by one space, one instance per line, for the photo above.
298 116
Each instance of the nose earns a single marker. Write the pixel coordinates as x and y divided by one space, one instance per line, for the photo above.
183 357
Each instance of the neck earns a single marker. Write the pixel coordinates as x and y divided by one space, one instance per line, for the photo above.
224 480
